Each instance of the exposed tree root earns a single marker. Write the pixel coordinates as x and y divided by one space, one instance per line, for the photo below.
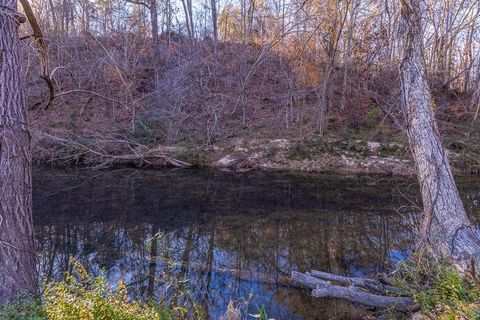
370 292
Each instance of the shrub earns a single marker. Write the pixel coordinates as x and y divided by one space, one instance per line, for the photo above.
24 307
441 290
452 295
83 297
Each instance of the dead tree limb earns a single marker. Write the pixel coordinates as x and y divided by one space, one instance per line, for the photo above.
102 152
353 293
42 50
369 284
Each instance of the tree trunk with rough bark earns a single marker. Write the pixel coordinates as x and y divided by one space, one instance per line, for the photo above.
187 19
17 256
213 4
155 42
154 20
445 225
348 55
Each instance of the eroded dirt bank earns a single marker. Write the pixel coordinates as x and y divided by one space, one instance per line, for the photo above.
315 155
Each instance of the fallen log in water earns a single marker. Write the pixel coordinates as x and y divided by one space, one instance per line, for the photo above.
353 289
369 284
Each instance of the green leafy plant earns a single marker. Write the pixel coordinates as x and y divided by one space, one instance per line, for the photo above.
81 296
440 289
24 307
262 314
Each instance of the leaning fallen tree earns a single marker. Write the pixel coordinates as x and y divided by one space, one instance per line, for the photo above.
371 292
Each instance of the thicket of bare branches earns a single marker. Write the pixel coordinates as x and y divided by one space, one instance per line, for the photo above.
163 72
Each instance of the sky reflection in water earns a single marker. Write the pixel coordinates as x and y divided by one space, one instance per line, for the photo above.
229 234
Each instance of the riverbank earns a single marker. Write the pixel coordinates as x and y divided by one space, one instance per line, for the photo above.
315 154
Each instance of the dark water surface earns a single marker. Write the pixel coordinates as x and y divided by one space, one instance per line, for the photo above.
231 235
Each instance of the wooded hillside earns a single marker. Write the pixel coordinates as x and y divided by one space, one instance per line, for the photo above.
205 71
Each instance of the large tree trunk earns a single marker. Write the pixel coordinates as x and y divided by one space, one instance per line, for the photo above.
17 257
445 224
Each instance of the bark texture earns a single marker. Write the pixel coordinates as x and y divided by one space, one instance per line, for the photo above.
17 257
352 289
445 224
213 4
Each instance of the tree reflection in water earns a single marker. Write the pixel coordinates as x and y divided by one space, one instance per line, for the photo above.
226 234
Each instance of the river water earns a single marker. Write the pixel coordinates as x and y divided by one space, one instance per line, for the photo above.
230 236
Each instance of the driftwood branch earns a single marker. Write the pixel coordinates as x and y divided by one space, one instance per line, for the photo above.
102 152
322 286
369 284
